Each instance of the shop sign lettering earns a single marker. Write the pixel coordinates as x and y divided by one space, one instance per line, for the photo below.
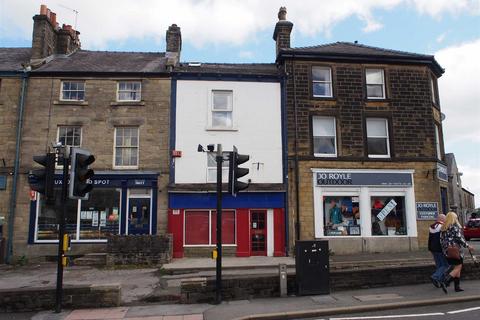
427 210
389 179
386 210
334 178
442 173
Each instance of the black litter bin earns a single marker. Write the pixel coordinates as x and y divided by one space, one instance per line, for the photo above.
312 267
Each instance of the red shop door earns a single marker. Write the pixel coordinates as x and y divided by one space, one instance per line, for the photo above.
258 232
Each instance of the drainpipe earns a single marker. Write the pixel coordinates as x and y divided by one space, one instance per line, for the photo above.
297 202
13 197
285 158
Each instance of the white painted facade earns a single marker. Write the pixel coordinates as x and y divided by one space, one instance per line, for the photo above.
256 130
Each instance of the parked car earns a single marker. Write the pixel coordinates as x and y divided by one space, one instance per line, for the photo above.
472 229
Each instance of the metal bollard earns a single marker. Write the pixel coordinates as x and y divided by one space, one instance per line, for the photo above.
282 272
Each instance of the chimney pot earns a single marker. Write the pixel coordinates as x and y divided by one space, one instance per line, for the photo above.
282 13
53 18
43 10
48 13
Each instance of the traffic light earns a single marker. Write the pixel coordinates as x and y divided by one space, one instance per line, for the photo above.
235 172
80 174
42 180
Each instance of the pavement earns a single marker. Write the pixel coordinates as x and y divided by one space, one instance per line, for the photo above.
293 307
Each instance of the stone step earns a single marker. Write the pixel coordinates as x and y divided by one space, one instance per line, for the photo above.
91 259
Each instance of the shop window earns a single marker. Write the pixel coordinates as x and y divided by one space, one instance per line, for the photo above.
200 227
388 216
212 167
324 137
222 109
73 91
341 216
375 83
377 138
99 215
228 227
47 226
129 91
322 82
126 147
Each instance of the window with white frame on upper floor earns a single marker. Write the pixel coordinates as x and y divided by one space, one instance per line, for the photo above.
126 147
324 137
69 136
129 91
437 142
375 80
377 138
433 90
222 109
73 91
322 82
212 167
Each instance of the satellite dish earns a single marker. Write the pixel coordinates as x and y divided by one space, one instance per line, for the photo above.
442 116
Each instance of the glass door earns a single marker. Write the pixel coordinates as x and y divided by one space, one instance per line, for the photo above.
258 233
139 216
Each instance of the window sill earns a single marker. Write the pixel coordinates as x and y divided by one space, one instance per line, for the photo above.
127 103
125 168
378 157
221 129
367 99
316 155
324 98
71 103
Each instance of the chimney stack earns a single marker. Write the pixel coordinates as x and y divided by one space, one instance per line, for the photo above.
283 28
49 39
174 45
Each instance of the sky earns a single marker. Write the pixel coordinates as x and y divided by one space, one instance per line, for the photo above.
241 31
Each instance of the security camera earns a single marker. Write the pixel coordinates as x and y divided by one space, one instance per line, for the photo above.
211 147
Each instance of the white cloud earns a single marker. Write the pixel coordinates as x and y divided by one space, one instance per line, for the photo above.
441 37
207 22
246 54
459 91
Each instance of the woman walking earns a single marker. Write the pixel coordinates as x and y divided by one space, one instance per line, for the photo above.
452 240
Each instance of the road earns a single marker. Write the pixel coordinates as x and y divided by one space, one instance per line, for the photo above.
454 311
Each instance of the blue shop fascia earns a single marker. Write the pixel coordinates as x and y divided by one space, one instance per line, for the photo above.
120 203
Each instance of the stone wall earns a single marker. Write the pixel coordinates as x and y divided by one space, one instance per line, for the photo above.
203 290
33 299
139 249
97 115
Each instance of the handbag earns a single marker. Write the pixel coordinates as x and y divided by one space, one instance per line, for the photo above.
453 252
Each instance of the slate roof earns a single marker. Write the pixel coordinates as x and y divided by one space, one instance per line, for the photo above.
11 59
265 69
356 50
106 62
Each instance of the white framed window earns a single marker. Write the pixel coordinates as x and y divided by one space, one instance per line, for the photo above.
433 90
324 137
377 138
212 167
221 109
437 142
73 91
200 227
375 80
68 136
126 148
322 82
129 91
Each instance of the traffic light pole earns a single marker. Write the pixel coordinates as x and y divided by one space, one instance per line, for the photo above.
218 284
61 231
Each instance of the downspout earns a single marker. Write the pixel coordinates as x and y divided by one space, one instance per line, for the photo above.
295 146
13 197
285 157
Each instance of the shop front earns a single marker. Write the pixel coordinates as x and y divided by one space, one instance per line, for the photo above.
253 224
365 210
120 203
